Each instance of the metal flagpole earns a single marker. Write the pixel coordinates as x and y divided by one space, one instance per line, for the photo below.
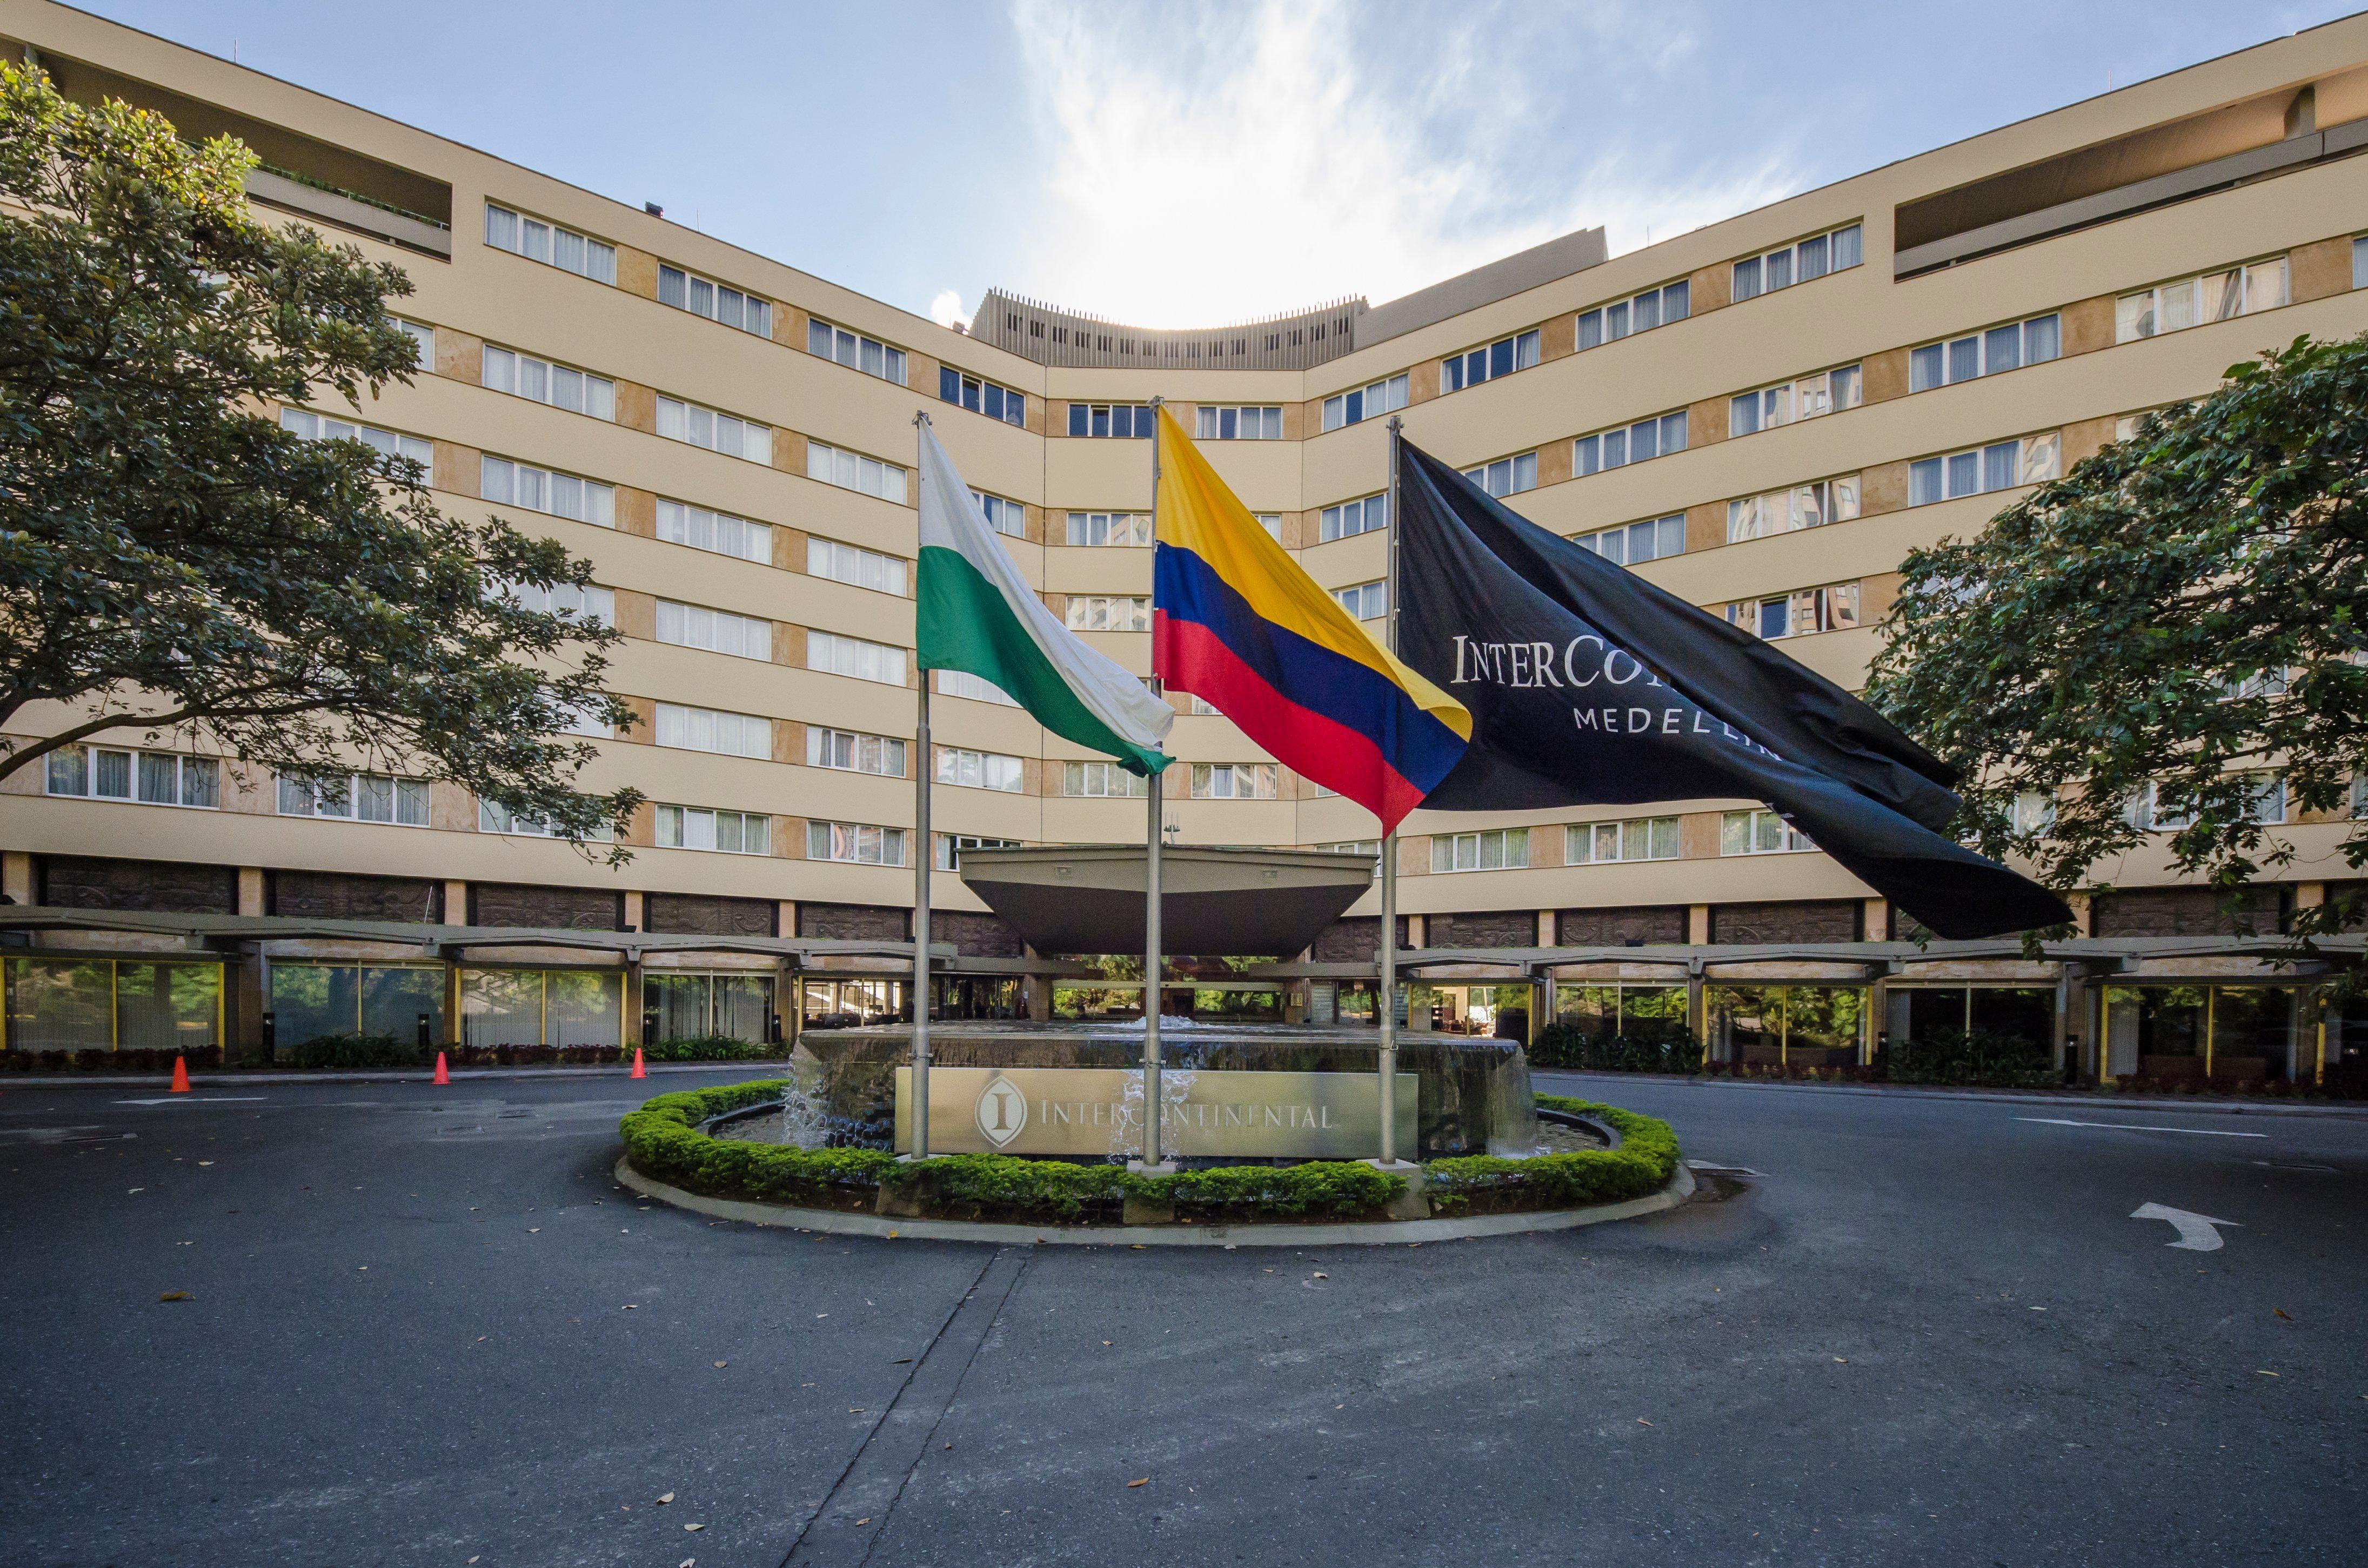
1151 1154
923 766
1387 1003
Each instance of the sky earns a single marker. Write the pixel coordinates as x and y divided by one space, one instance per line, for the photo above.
1193 164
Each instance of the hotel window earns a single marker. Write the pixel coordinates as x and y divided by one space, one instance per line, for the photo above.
1786 511
2191 301
855 843
1760 832
538 241
1654 307
734 437
711 730
855 352
1385 396
1797 613
523 375
1645 838
355 797
2008 347
1367 514
978 770
1639 542
1501 358
2033 812
1499 849
1799 263
1128 420
1200 706
962 683
423 337
721 532
308 425
1004 516
2002 465
1807 397
1272 523
850 751
978 396
1656 437
732 833
1100 779
950 847
1366 601
839 655
853 470
1108 612
542 489
153 778
1239 424
855 567
1234 780
1110 528
586 602
2360 263
493 818
1366 846
1509 476
716 302
720 632
2150 813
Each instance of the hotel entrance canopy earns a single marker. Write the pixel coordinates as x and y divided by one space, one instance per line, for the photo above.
1218 902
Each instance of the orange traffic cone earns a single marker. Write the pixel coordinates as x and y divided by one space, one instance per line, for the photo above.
639 1071
180 1075
442 1075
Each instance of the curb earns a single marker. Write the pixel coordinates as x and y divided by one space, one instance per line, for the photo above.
2076 1100
203 1081
1380 1232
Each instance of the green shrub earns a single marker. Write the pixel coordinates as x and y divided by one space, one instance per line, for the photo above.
1487 1184
350 1052
711 1047
1973 1057
1562 1044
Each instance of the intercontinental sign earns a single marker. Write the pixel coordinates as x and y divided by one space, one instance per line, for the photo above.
1099 1111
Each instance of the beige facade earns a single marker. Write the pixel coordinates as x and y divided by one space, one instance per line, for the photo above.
2277 119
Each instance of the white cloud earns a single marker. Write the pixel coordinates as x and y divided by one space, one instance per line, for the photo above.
1206 165
946 308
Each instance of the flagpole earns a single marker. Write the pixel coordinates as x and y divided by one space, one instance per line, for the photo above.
1153 1159
1387 1003
924 769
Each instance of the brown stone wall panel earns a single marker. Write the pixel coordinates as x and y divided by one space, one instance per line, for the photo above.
1357 939
643 828
456 470
1706 525
790 324
1557 337
637 512
1698 836
2088 324
2086 438
1711 288
644 727
1706 421
1822 920
337 895
1876 594
854 922
637 272
976 935
789 549
637 614
167 887
921 373
788 644
2185 912
1883 488
1553 463
459 356
451 808
1483 928
1422 385
2320 269
567 909
1295 422
789 451
637 407
1619 927
689 915
1884 376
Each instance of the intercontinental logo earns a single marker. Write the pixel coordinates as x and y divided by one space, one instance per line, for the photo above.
1002 1111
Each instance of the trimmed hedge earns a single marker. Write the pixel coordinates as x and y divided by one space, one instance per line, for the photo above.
1566 1045
663 1140
1487 1184
136 1059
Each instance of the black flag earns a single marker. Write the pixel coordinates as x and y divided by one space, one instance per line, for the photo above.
1588 686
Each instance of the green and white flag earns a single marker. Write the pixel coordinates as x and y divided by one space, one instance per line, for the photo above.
978 614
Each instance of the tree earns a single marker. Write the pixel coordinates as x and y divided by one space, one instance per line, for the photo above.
174 562
2162 638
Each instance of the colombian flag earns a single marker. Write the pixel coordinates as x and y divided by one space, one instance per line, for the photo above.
1237 624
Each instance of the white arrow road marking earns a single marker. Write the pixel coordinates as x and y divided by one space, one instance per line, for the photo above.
2133 1127
197 1099
2195 1231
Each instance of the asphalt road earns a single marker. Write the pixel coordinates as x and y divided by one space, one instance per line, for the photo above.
424 1328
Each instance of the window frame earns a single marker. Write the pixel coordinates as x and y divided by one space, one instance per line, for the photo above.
1450 848
1615 319
895 364
989 398
1622 828
823 454
352 784
688 418
1590 454
687 516
188 767
822 744
1139 420
1602 542
714 815
1943 358
1268 418
600 257
1476 367
599 392
689 285
1795 269
1357 405
863 649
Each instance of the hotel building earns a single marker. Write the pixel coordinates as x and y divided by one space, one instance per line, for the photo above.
1762 415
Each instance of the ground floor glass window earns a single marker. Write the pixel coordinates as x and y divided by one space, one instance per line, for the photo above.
113 1003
